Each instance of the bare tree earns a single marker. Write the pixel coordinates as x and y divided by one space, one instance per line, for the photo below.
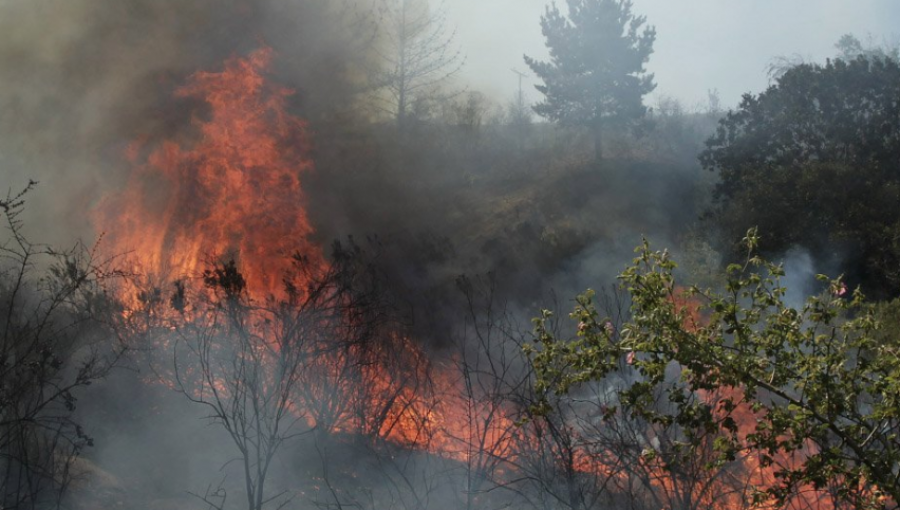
781 64
367 378
491 370
418 54
553 463
327 357
243 363
54 341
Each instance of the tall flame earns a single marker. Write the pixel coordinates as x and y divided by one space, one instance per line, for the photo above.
234 191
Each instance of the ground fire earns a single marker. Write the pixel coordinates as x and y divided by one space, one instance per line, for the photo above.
309 254
230 195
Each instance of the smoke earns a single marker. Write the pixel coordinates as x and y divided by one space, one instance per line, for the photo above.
800 277
82 79
85 79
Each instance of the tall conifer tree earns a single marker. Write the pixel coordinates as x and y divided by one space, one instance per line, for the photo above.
596 71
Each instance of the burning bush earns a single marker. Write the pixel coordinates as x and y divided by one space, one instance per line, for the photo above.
803 398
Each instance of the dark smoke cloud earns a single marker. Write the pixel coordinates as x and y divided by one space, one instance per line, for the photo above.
81 79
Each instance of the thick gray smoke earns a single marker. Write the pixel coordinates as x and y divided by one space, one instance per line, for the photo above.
466 192
82 79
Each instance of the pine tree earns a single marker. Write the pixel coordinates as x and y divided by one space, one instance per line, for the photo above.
596 71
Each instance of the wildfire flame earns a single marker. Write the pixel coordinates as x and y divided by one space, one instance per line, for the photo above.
235 191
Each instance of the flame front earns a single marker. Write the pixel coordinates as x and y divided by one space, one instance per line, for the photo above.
233 191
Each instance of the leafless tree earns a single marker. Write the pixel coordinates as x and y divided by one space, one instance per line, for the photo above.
781 64
418 54
391 469
55 340
328 357
374 387
367 378
553 466
243 362
491 369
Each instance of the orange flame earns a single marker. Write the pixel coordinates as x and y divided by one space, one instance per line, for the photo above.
234 191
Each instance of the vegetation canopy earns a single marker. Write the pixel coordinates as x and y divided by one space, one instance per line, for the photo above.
812 392
820 147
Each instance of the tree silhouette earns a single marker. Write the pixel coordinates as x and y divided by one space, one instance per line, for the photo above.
596 70
419 54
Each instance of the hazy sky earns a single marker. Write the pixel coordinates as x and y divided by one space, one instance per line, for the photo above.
700 45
